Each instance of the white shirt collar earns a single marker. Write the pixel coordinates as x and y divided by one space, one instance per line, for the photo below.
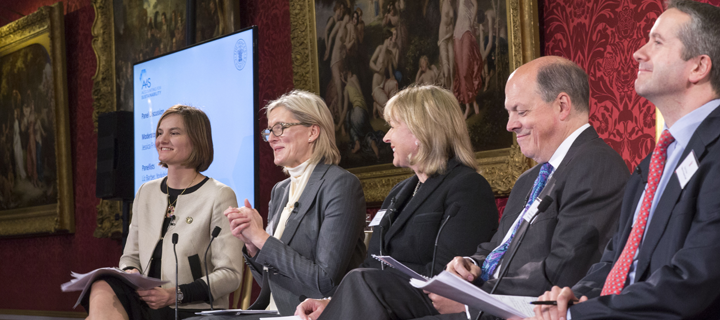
685 127
562 150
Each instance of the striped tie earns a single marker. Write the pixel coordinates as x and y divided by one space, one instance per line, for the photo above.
492 259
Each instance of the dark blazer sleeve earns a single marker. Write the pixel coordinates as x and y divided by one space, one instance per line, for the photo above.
374 245
340 204
591 285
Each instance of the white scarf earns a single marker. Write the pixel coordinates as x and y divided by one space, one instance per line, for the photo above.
299 177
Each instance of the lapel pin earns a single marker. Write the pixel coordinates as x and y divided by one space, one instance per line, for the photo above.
189 220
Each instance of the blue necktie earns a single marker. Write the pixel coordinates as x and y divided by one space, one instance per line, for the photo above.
493 259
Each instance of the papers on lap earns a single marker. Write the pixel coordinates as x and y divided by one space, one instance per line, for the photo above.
82 282
453 287
390 261
235 312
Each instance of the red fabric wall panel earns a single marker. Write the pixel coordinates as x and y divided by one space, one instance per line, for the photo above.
601 36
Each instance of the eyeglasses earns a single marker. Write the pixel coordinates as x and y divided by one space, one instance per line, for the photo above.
278 129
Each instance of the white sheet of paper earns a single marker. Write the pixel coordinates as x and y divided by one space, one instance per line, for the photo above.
235 312
453 287
378 216
83 281
520 303
390 261
687 169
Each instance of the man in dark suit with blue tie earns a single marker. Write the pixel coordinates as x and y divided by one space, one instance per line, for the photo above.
664 261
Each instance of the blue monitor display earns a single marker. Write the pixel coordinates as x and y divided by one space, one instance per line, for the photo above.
218 77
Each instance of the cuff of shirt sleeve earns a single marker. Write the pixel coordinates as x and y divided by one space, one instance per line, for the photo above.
471 260
467 310
195 291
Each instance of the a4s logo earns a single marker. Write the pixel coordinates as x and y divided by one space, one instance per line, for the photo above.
145 81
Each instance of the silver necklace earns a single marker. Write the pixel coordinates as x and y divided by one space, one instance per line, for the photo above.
417 187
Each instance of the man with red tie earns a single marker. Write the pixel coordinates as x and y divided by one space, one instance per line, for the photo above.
664 260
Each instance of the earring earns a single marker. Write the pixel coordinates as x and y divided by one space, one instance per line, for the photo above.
416 143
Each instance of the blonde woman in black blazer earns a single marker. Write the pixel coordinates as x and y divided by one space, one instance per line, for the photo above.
428 134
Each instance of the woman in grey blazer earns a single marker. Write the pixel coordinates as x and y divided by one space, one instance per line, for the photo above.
316 217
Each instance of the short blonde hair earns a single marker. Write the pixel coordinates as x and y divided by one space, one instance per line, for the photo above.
310 109
197 126
433 115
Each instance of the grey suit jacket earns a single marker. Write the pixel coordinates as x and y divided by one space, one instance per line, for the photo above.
565 240
322 241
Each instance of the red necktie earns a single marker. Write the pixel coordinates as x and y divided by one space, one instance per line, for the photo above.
618 275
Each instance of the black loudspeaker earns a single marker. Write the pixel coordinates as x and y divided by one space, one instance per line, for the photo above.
115 157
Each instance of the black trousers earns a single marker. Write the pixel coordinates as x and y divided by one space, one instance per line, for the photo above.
379 295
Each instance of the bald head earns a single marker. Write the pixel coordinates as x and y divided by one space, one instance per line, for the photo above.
546 100
553 75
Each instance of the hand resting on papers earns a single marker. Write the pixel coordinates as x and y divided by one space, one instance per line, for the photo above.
548 312
463 268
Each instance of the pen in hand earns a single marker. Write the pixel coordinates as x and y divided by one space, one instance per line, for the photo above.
551 302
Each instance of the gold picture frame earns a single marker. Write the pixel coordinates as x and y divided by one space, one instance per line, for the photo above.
37 195
501 167
106 79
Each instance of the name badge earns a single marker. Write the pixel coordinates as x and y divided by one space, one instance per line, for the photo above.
378 217
687 169
532 211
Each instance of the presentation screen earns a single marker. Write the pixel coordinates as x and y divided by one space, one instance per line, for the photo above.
219 77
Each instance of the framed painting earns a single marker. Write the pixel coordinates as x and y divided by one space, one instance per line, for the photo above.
36 190
357 54
130 31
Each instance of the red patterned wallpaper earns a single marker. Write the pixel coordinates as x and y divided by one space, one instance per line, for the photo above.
601 36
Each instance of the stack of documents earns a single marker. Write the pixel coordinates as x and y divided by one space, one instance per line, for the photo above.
82 282
235 312
455 288
390 261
